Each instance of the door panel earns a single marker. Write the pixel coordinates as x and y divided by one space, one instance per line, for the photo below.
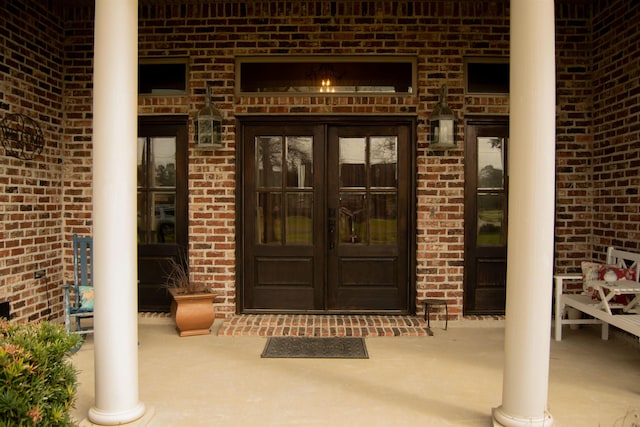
325 217
283 235
486 190
162 207
490 285
369 195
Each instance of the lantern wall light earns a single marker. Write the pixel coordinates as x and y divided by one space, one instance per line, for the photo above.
209 125
443 124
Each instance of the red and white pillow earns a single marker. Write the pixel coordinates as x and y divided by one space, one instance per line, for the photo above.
589 273
592 271
621 272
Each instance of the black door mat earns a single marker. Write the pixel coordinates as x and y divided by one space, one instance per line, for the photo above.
313 347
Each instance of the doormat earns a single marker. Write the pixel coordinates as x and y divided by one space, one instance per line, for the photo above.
313 347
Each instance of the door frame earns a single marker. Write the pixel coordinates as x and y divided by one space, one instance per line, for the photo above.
158 126
470 208
327 121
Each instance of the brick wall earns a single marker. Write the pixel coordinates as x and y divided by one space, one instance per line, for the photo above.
616 125
598 142
438 33
78 127
31 208
574 140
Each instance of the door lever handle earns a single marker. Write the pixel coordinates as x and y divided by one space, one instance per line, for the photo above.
332 234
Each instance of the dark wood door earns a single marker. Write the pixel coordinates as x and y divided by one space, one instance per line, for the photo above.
325 218
486 190
162 207
282 222
368 217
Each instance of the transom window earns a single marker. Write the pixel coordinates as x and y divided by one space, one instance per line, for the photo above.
487 75
160 76
326 75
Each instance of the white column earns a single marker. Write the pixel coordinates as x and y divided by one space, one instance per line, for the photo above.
114 213
531 216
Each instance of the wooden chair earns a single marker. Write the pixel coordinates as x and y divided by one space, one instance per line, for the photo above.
78 297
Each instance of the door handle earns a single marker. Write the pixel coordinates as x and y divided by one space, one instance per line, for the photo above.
332 233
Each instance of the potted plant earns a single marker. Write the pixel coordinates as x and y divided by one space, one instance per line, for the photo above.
192 305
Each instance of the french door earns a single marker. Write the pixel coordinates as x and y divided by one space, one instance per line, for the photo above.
325 217
486 191
162 206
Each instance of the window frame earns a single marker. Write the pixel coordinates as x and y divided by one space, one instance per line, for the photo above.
326 60
487 60
164 61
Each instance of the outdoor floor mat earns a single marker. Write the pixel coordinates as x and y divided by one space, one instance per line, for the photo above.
313 347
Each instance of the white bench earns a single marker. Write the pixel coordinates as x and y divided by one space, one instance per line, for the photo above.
584 302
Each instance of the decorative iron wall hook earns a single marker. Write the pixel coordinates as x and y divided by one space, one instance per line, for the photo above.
21 136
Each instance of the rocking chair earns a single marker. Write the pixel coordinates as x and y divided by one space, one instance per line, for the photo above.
78 297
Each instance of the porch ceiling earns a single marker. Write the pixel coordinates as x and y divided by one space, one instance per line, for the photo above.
83 3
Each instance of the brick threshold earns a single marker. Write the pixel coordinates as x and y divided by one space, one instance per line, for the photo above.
273 325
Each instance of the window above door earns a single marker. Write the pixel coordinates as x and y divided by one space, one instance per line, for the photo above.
326 74
486 75
162 76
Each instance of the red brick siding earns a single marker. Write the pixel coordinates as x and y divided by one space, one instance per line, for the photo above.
574 140
616 125
439 34
31 207
598 156
592 78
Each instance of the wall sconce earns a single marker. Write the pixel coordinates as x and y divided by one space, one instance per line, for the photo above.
443 124
209 125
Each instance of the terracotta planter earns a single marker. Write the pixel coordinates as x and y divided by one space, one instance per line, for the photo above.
194 313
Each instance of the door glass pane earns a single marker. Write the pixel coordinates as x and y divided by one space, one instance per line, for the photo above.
141 162
269 218
383 160
490 162
299 161
299 219
491 230
269 161
352 162
163 158
383 223
352 223
164 218
156 164
142 219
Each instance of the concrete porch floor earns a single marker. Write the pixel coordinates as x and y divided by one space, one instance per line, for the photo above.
451 379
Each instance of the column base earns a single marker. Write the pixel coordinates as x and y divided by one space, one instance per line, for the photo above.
502 419
139 416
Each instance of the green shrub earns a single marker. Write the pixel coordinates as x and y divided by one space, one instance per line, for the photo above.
37 381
